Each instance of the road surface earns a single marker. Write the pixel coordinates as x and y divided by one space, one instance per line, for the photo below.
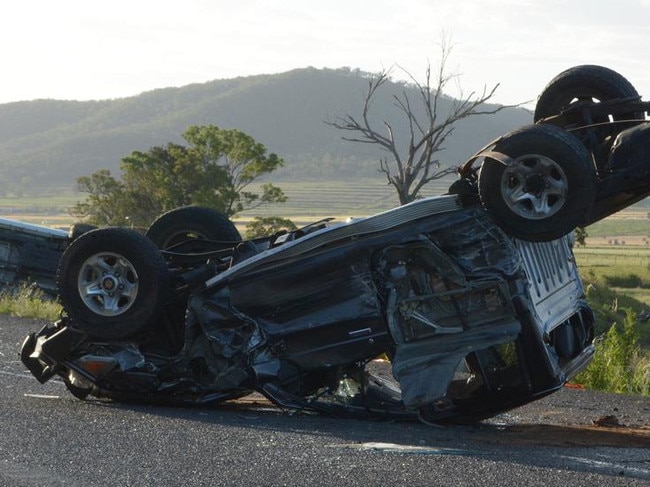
49 438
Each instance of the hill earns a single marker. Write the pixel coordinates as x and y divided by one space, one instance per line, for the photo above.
47 144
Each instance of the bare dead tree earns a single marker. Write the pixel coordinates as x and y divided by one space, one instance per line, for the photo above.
410 171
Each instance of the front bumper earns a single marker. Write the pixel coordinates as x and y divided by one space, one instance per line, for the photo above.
44 353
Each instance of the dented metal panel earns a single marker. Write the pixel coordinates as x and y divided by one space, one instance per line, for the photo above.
553 280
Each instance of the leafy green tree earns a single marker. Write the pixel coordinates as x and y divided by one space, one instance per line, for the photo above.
215 170
103 205
165 178
243 159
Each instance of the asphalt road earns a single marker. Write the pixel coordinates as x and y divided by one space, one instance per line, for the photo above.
50 438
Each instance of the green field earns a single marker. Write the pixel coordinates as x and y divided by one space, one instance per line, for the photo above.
630 222
345 198
613 260
312 200
308 201
604 262
49 209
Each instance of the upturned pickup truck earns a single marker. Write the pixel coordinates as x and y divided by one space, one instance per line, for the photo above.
473 296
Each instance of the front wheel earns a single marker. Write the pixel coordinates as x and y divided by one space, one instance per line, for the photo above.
546 189
112 283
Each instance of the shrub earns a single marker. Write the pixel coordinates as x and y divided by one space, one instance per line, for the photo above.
627 281
611 306
619 365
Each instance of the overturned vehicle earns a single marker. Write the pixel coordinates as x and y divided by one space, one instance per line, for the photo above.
472 320
473 297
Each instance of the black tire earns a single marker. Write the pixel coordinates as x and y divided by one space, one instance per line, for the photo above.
192 223
580 83
112 283
548 190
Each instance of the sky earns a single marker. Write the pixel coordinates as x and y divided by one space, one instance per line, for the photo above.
88 50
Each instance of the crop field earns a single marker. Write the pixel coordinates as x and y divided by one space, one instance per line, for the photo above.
627 264
310 201
616 259
318 199
628 223
49 209
619 244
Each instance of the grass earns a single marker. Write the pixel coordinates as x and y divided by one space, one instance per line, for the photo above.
611 305
29 302
612 260
312 200
629 222
641 295
308 201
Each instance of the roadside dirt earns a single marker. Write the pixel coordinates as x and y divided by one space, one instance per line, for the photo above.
567 418
577 417
570 436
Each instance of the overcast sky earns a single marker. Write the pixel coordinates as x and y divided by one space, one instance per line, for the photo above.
82 49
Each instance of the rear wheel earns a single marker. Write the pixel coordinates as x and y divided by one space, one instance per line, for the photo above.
587 83
112 283
546 190
191 223
585 86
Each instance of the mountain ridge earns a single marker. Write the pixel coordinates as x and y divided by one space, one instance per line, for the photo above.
50 143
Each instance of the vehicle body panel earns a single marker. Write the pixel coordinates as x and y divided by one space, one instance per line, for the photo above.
29 254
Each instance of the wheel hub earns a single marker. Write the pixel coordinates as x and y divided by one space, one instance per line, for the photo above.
535 184
535 187
108 284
